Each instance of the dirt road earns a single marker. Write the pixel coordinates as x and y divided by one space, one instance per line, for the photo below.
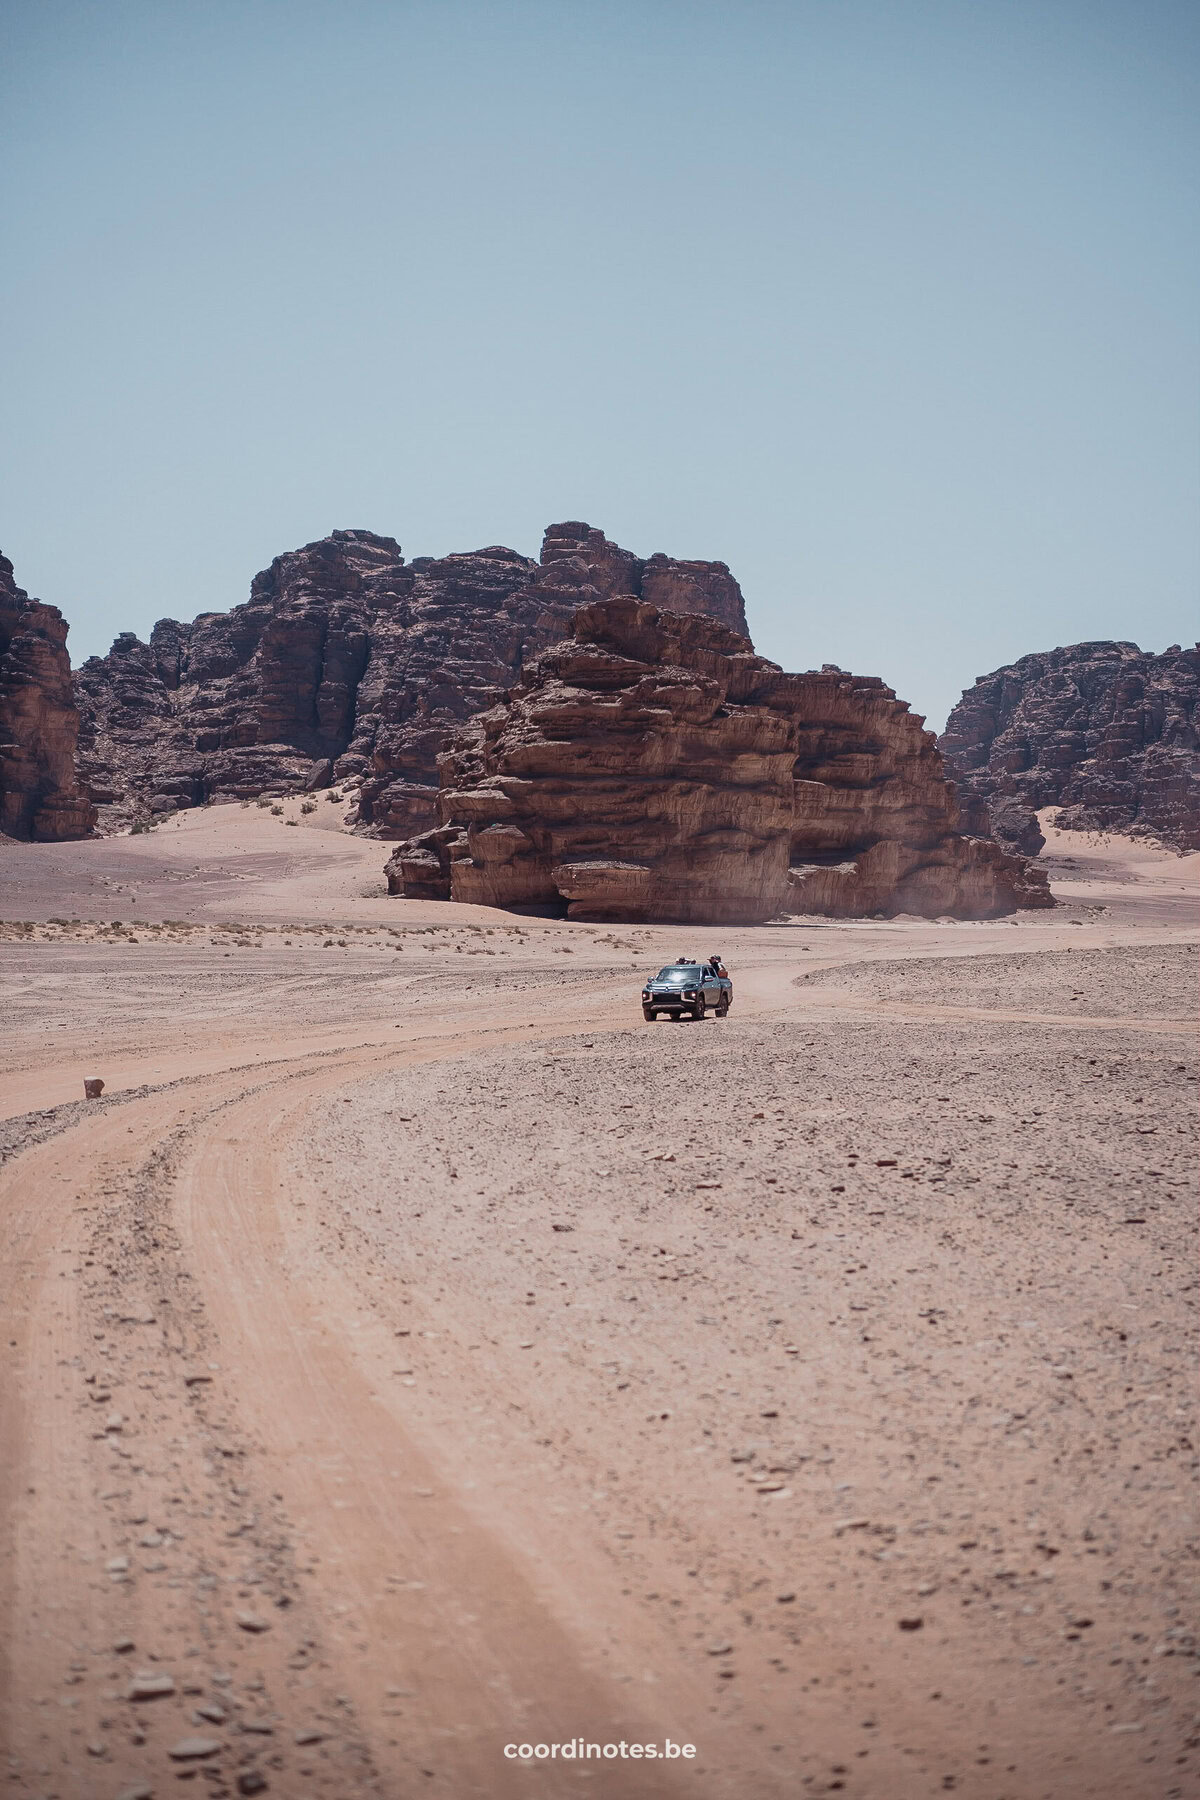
409 1356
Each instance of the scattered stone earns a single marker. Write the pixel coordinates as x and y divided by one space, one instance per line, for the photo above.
248 1621
147 1685
309 1734
850 1525
141 1790
724 1648
194 1749
122 1645
93 1087
910 1624
212 1715
252 1781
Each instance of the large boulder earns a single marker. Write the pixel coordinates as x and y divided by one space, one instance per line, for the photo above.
348 663
1108 733
40 797
651 767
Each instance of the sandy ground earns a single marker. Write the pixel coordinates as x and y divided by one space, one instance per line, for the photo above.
414 1353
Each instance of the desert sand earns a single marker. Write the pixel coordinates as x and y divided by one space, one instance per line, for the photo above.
413 1353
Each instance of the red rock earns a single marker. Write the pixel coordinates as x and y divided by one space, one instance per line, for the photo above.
1105 731
40 797
651 767
347 663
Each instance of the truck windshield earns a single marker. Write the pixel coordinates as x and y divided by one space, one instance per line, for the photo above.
685 977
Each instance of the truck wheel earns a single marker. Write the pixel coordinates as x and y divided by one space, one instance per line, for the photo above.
648 1015
698 1009
722 1008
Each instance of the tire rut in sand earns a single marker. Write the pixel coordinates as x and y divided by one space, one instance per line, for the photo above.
173 1378
441 1627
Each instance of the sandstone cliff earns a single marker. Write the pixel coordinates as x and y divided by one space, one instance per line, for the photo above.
651 767
348 663
1107 732
39 795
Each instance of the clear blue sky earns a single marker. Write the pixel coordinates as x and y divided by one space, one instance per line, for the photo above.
891 304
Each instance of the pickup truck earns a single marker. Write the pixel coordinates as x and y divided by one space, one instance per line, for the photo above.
689 988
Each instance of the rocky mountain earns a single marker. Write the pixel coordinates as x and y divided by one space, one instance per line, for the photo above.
651 767
348 663
1108 733
39 795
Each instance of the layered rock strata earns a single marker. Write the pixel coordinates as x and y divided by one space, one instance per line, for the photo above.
1108 733
348 664
40 797
651 767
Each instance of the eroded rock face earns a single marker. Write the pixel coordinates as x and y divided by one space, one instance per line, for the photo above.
651 767
40 797
1107 732
348 664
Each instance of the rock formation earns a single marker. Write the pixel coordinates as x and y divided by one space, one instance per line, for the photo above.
651 767
39 795
347 663
1108 733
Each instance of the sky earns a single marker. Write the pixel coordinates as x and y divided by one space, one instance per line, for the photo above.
892 305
